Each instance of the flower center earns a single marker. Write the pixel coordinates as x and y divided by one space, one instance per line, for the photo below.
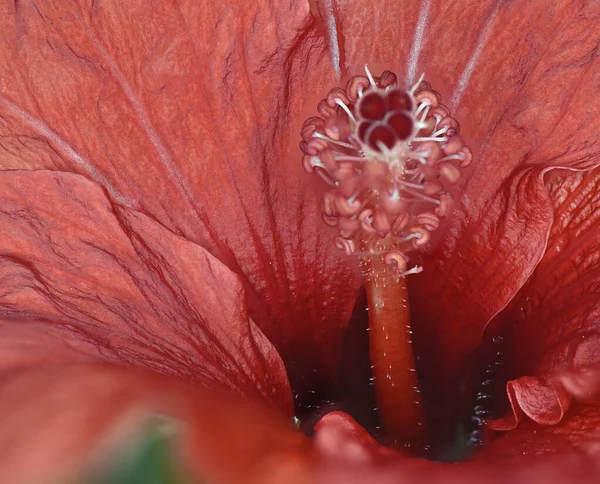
390 156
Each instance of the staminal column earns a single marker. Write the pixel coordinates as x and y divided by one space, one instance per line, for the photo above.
400 408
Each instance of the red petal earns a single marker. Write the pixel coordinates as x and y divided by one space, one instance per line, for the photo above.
338 437
574 440
479 269
60 422
554 334
554 319
191 115
556 313
105 281
526 469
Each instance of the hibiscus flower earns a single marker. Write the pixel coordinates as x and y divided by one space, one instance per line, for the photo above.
163 258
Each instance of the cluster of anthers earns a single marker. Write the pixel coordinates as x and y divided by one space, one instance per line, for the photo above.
389 155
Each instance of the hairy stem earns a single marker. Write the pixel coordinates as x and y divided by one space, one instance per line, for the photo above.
390 347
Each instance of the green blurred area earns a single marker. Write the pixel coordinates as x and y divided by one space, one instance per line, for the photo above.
149 458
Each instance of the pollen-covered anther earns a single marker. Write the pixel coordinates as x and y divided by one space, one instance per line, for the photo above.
348 227
450 172
397 259
429 221
387 80
337 128
336 95
444 207
329 220
432 188
427 97
391 155
381 223
366 221
347 206
421 235
329 204
330 214
400 223
348 246
310 126
465 156
430 152
451 125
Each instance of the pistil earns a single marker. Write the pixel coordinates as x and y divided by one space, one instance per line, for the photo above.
390 156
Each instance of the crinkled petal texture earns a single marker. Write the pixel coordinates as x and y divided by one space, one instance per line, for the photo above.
85 279
188 117
92 292
191 115
554 322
